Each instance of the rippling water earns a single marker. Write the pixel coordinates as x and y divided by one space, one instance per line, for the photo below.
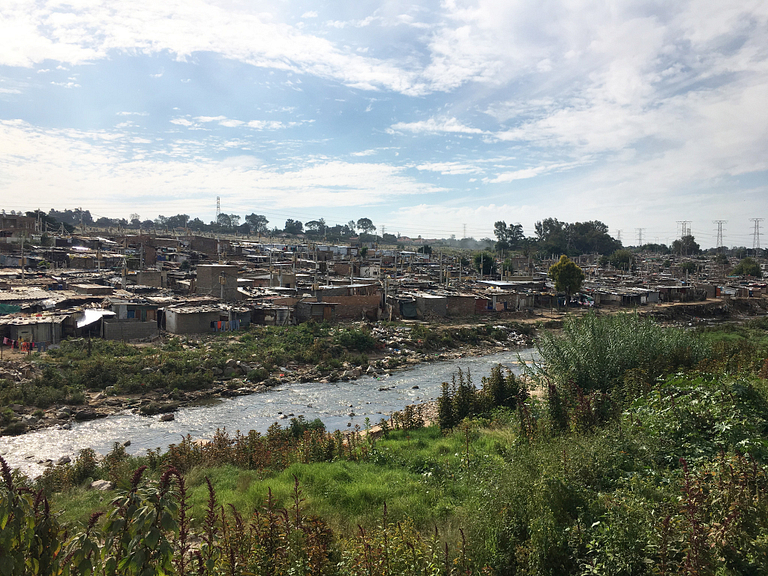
332 403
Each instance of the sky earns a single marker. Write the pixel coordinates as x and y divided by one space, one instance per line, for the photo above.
430 118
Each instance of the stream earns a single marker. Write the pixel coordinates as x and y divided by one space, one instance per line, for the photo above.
340 406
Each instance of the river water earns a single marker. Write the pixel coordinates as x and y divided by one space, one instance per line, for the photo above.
340 406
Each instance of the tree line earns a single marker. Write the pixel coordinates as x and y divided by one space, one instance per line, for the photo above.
224 223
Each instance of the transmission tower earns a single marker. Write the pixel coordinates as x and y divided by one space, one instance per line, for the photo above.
719 232
465 231
618 235
756 234
639 236
685 228
218 207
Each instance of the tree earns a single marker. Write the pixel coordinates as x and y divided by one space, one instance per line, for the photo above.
366 225
578 238
686 246
689 267
426 249
257 222
748 267
293 227
508 237
224 220
657 248
104 222
551 236
178 221
622 260
316 226
567 276
197 224
487 261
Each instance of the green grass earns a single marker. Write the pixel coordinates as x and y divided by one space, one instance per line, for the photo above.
678 477
76 505
413 474
754 332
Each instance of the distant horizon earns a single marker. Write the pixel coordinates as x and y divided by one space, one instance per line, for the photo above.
271 225
430 118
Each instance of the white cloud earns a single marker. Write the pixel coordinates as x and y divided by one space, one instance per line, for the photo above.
310 14
69 165
182 122
434 125
79 33
518 175
450 168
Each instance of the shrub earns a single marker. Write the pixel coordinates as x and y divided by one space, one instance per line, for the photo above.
594 352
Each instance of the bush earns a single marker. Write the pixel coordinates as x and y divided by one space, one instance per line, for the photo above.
355 339
594 352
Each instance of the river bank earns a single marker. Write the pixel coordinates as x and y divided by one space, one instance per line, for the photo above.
341 405
393 348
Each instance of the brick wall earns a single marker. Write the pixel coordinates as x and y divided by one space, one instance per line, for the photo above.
354 306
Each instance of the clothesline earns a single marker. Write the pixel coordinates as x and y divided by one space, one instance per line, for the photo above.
25 346
225 326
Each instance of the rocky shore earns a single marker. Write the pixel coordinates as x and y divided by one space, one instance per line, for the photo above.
395 353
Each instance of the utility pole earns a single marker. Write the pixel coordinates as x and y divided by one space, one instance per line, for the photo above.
23 236
719 233
756 236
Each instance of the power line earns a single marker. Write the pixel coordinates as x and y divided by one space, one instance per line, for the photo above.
719 243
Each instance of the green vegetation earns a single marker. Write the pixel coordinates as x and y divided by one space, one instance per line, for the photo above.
598 352
689 267
567 275
183 364
747 267
644 456
485 263
619 259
